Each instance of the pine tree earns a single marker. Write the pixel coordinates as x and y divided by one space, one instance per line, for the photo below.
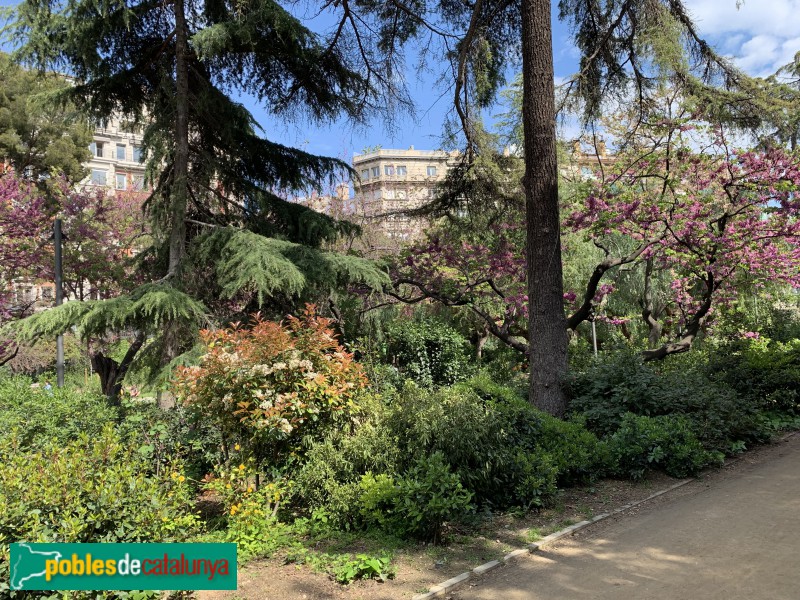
172 67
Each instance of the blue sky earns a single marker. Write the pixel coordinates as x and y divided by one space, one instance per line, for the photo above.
760 35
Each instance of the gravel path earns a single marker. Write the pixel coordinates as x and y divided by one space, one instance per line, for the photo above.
732 535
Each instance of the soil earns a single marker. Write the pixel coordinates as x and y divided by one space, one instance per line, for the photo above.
418 567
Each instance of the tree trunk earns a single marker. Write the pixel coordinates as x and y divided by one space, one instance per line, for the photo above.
649 314
180 188
112 373
547 329
5 356
693 326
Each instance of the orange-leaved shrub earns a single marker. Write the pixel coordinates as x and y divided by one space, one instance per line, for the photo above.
271 385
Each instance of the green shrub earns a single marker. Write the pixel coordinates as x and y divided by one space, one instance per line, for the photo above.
163 434
38 416
534 478
327 482
576 453
605 391
765 372
428 351
454 421
664 442
502 450
486 432
417 504
92 489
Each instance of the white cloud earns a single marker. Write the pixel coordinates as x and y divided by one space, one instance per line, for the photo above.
718 17
760 35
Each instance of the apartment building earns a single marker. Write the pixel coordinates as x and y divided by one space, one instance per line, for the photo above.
117 160
586 158
391 181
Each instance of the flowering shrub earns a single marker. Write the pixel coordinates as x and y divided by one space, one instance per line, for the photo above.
250 511
268 385
96 488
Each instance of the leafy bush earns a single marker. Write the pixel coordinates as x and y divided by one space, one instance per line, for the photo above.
605 391
92 489
576 453
534 481
453 421
37 416
664 442
488 434
501 449
428 351
417 504
765 372
163 434
327 483
272 385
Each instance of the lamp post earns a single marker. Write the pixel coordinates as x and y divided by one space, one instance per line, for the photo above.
59 299
591 318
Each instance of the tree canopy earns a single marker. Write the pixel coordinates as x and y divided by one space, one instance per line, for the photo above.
40 136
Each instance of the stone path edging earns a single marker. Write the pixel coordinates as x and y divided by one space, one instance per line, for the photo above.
447 586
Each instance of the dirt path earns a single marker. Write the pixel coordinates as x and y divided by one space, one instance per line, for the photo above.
732 535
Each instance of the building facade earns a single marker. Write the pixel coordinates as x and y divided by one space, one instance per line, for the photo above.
117 159
393 181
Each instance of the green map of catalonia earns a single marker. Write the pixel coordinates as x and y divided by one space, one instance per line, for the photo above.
27 564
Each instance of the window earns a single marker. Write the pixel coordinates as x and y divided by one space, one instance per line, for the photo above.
365 174
121 182
389 194
401 195
138 183
138 155
431 171
120 151
388 170
376 171
96 148
98 177
47 293
401 170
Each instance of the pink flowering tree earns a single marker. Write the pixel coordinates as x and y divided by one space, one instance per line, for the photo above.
24 230
102 232
704 220
485 274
